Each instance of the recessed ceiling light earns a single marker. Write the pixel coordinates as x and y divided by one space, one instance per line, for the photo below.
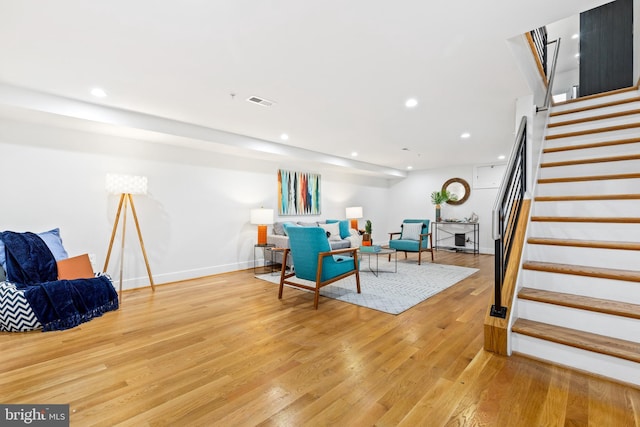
354 154
465 135
577 55
409 167
411 102
99 92
284 137
501 157
575 36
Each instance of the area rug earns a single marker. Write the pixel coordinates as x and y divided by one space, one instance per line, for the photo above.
390 292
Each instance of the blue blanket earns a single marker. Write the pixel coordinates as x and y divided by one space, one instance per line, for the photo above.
29 260
63 304
58 304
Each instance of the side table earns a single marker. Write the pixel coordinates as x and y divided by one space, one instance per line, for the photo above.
261 269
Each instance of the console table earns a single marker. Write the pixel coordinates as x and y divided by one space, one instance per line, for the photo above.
444 236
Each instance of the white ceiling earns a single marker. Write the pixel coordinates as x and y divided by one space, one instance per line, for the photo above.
339 73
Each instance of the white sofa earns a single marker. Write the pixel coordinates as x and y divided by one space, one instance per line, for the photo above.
278 237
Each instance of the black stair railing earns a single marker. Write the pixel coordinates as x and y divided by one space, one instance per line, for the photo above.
539 37
506 213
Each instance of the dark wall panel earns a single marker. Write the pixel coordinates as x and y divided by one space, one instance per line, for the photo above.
606 47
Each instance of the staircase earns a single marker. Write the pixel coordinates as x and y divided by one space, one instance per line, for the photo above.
579 300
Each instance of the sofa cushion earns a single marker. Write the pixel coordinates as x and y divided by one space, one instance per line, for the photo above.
53 241
278 228
333 231
308 224
344 227
339 244
411 230
286 225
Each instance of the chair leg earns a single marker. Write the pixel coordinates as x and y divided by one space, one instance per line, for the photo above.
358 280
419 256
283 272
316 298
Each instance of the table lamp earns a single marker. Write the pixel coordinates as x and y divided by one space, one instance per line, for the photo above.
354 213
262 217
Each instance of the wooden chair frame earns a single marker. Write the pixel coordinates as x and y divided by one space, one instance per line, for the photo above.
420 248
319 284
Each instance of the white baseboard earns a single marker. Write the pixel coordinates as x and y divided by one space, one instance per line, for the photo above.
143 281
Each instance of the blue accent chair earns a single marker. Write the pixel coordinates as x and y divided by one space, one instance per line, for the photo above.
420 242
314 260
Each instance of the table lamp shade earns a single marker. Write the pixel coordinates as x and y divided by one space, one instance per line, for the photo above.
261 217
126 184
354 213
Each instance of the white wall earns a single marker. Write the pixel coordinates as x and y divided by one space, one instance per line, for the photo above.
195 220
411 198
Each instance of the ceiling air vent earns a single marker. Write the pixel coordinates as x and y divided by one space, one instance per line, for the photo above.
260 101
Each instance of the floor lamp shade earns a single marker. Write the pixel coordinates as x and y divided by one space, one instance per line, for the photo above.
126 184
262 217
354 213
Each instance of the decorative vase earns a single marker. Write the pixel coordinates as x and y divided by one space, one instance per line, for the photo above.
438 213
366 239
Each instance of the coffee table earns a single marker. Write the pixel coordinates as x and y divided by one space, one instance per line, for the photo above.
376 269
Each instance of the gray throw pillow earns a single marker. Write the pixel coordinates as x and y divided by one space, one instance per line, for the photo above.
278 228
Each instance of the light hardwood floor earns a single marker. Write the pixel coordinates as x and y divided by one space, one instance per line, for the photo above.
223 350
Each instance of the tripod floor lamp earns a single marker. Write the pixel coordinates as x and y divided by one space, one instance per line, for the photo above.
126 186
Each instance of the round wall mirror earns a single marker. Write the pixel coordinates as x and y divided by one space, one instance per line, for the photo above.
460 188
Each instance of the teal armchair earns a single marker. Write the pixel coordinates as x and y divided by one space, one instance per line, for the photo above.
314 260
414 237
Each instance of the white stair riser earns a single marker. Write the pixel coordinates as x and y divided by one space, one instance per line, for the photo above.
595 101
593 137
600 364
597 208
592 153
600 168
623 328
586 231
583 188
593 257
595 112
615 290
594 124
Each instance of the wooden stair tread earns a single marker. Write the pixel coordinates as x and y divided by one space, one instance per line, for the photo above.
595 107
591 145
591 160
596 95
582 270
594 118
589 178
587 197
614 219
592 131
615 347
597 244
615 308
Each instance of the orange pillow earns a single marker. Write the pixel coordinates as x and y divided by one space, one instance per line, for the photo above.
77 267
